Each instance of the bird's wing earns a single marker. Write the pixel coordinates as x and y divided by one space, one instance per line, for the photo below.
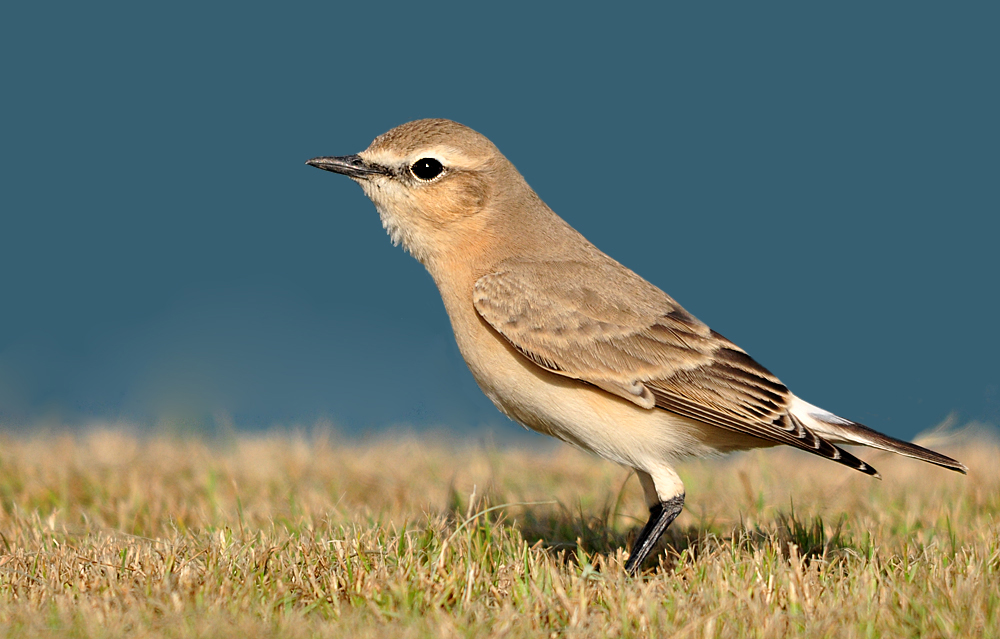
601 323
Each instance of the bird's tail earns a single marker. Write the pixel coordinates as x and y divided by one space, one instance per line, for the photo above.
838 430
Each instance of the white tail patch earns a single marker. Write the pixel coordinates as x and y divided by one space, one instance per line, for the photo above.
825 424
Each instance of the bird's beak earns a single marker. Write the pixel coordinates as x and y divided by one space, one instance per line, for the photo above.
350 165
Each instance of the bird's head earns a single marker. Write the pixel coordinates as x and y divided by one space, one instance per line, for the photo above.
432 181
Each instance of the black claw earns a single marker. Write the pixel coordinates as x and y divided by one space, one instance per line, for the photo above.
660 517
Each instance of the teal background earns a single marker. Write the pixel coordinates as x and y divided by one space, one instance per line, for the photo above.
818 183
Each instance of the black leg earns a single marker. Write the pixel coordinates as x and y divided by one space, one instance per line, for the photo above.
660 517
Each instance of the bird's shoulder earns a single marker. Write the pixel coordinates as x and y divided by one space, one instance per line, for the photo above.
593 320
594 294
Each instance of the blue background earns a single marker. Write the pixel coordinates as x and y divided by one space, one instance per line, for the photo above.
818 183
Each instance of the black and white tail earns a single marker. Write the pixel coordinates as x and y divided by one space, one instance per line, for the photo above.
838 430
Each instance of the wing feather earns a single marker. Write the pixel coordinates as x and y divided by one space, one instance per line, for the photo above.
601 323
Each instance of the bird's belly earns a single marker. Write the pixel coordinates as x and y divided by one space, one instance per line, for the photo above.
586 416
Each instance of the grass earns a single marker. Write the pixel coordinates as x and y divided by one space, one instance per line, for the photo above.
110 533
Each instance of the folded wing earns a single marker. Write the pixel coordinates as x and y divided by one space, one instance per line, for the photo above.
600 323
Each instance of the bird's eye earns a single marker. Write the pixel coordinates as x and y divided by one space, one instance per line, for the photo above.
426 169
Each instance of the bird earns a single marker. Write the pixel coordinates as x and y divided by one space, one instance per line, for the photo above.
567 341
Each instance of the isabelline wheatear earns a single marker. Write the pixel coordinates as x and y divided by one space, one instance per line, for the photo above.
570 343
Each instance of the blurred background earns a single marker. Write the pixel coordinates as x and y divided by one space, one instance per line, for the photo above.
817 183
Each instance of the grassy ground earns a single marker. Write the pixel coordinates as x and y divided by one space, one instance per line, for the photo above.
108 533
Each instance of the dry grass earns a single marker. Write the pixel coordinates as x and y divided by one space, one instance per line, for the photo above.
109 533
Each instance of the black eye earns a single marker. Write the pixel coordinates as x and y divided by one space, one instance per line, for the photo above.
426 169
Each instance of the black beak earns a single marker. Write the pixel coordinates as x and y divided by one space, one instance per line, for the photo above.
350 165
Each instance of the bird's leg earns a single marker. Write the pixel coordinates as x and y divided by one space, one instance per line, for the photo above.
660 517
